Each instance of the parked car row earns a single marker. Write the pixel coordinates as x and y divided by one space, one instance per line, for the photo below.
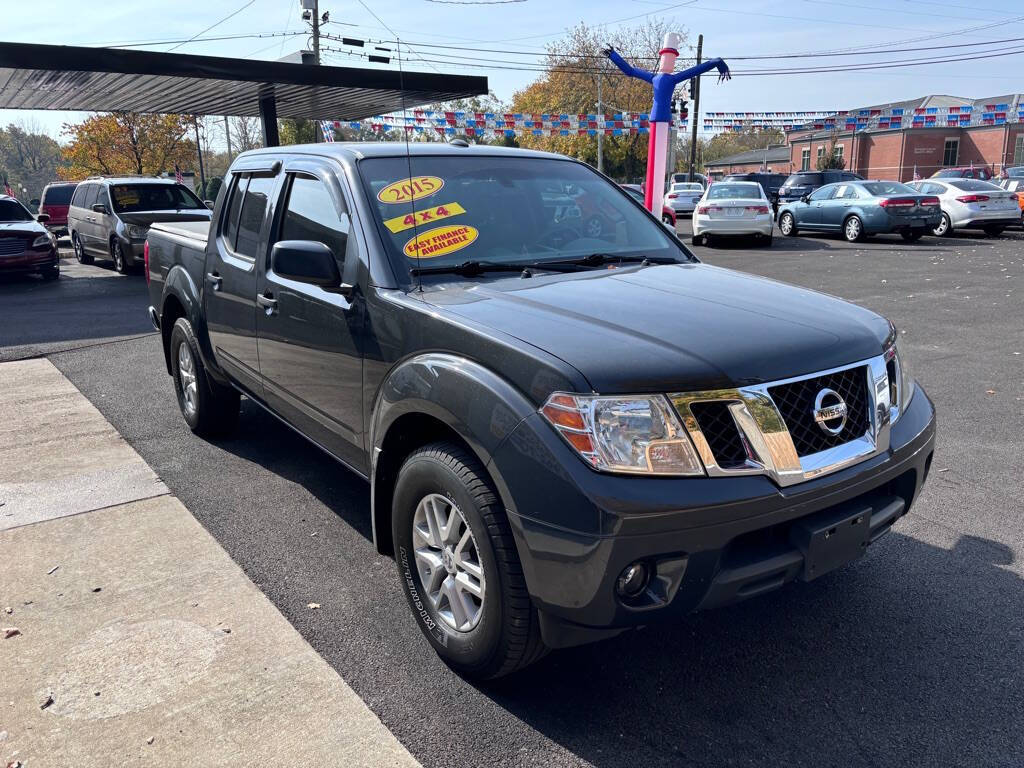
857 209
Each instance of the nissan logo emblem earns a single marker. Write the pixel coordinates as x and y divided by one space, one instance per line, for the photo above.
830 411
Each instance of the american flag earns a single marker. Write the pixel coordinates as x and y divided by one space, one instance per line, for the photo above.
327 127
7 187
177 174
917 176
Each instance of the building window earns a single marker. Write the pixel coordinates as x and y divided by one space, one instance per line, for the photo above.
1018 150
839 151
951 152
821 154
805 159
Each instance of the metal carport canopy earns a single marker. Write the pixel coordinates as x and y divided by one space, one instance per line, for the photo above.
112 80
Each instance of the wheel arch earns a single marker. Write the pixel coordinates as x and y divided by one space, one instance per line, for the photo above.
180 299
438 397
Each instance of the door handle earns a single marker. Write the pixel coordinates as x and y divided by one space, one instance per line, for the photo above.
267 302
214 280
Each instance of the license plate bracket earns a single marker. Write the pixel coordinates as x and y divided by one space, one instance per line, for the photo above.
831 540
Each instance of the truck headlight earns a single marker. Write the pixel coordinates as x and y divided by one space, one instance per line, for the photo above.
901 383
638 434
135 232
43 240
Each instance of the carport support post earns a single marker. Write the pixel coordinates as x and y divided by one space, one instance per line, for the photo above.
268 116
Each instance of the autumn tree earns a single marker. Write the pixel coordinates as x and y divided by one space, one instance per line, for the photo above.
574 66
128 143
28 157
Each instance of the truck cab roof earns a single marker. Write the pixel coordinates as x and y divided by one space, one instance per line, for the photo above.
356 150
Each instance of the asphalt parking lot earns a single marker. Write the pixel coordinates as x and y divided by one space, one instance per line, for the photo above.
914 655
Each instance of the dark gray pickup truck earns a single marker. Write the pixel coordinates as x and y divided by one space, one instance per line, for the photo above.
568 430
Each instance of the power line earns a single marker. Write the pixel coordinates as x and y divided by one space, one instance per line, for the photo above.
250 35
389 29
216 24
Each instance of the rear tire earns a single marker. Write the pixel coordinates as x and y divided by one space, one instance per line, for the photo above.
853 229
210 409
80 254
945 228
697 240
450 530
767 239
787 224
912 236
994 231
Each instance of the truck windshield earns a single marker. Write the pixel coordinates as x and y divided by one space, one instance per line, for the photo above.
131 198
506 210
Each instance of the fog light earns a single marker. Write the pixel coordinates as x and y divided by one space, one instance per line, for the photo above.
633 580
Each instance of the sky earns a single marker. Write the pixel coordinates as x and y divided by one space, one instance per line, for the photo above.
731 29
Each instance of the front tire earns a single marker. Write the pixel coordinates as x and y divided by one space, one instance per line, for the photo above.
787 224
117 254
458 565
210 409
853 229
51 273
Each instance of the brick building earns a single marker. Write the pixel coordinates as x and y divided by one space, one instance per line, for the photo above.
890 140
774 159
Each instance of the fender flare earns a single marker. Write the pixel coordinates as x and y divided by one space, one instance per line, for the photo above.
181 286
480 406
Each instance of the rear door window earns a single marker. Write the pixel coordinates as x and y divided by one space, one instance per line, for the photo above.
252 215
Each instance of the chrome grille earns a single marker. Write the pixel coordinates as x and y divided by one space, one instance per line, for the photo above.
795 402
12 245
720 431
769 429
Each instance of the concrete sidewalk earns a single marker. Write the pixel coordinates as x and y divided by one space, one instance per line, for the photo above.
140 642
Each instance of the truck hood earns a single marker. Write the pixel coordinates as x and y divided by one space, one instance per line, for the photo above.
145 218
672 327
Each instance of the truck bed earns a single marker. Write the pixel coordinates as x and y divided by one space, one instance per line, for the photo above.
197 231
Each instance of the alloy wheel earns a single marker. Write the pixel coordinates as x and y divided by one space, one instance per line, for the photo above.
79 251
118 257
448 562
853 229
786 224
187 379
943 226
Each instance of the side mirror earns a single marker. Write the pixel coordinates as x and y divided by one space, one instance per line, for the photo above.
209 204
805 198
100 208
34 201
310 262
42 218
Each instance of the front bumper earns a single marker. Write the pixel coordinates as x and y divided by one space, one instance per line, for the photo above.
710 541
29 261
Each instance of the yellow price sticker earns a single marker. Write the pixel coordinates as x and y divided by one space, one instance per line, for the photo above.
426 216
413 188
440 241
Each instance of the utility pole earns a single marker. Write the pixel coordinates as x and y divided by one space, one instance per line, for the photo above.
600 128
199 150
695 114
316 59
227 135
673 133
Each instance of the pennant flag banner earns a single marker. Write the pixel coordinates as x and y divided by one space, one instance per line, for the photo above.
638 123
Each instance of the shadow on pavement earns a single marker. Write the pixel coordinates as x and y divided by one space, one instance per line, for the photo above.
912 657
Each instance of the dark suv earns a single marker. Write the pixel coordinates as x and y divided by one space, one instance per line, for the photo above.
567 433
109 217
804 182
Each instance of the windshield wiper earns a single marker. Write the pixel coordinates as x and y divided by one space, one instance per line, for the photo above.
600 259
469 268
